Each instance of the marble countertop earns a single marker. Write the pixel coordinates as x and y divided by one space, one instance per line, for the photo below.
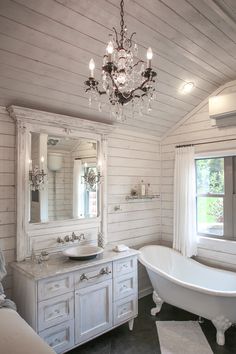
60 264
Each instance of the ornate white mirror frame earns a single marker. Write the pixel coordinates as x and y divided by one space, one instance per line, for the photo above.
44 235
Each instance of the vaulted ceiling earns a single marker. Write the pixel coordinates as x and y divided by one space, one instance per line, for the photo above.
45 47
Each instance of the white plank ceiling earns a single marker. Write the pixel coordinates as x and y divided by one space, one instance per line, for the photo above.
45 47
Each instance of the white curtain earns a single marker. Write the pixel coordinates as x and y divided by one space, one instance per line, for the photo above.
78 189
185 238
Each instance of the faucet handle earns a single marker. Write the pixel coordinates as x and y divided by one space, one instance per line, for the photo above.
74 236
67 238
60 240
81 236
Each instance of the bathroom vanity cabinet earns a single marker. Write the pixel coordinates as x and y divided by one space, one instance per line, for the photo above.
70 302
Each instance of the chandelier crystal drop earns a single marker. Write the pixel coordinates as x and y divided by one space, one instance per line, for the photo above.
124 78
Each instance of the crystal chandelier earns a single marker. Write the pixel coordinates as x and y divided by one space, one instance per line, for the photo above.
124 77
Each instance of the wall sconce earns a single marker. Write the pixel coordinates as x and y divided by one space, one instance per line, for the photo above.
36 176
90 178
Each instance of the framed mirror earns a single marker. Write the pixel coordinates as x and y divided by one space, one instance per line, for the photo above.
65 182
61 179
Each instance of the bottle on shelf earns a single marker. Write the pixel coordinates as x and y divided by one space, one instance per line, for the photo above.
142 188
148 190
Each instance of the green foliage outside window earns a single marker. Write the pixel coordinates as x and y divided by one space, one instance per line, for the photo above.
210 180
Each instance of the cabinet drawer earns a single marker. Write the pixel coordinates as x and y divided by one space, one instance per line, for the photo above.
125 309
93 275
55 311
51 287
125 265
60 338
124 286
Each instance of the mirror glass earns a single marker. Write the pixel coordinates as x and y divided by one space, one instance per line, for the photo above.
63 178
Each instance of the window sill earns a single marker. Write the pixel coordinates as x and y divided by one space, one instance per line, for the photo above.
221 252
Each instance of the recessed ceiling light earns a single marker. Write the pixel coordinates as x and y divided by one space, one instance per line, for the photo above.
187 87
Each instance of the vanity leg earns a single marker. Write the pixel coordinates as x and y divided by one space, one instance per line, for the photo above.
131 324
158 301
221 324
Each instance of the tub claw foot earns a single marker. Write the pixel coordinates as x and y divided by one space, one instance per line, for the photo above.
158 301
221 324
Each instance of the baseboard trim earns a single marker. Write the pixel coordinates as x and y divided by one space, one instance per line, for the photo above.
145 292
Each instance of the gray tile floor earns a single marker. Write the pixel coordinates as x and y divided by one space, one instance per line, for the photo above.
144 340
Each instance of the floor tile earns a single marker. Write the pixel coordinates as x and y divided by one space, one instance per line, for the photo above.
144 340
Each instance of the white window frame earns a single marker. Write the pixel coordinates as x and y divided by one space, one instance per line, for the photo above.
215 251
229 221
227 199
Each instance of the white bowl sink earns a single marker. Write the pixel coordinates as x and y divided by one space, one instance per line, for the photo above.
83 252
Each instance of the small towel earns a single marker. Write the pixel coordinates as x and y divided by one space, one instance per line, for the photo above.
3 301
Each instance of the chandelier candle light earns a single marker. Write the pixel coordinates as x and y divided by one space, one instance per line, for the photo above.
124 77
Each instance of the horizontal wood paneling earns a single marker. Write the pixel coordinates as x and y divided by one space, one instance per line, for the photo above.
7 192
130 160
45 47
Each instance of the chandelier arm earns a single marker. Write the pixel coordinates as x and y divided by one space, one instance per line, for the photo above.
138 62
116 34
113 81
101 92
141 87
130 40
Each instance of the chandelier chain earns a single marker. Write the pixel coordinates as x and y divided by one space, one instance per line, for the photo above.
122 22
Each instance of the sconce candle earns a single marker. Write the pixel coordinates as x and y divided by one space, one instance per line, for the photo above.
42 162
30 165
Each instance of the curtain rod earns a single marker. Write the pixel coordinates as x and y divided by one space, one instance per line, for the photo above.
209 142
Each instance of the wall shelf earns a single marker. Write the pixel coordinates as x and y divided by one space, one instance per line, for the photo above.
142 197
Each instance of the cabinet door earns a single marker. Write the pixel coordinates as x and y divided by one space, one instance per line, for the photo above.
93 310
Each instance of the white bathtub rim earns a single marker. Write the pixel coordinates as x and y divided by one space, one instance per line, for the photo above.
192 286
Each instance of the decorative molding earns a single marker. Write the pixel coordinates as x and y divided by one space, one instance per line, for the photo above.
32 116
29 120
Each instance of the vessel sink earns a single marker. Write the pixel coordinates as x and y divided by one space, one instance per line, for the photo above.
83 252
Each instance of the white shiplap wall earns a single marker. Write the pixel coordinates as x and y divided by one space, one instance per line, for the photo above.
45 47
195 127
60 195
131 157
7 191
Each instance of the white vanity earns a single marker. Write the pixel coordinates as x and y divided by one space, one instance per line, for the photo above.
70 302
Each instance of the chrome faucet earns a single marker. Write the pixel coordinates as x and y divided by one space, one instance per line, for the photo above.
79 238
71 238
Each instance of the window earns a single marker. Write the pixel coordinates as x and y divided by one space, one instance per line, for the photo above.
215 197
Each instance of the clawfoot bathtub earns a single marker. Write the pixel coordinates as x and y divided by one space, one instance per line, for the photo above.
192 286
